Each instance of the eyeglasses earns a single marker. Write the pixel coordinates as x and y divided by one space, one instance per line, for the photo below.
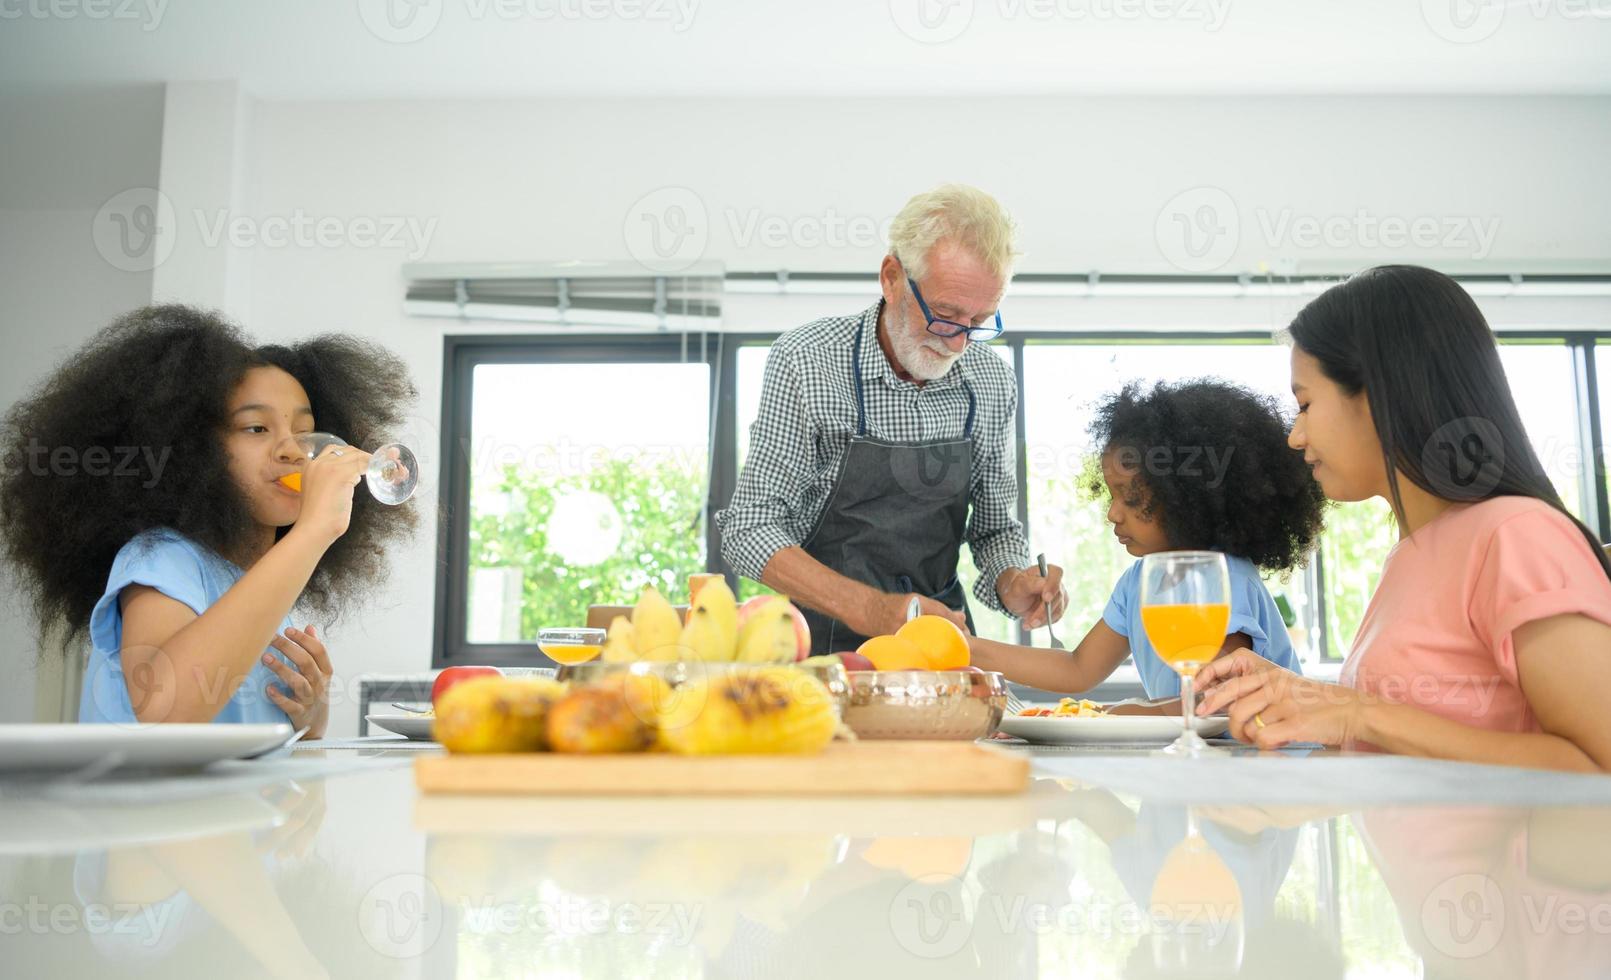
951 328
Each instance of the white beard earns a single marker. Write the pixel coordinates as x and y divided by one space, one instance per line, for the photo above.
925 359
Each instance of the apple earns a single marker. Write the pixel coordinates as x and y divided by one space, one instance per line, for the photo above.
802 629
454 675
855 661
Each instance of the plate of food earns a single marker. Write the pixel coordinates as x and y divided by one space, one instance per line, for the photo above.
416 725
1076 721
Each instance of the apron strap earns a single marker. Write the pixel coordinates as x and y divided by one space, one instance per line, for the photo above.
855 376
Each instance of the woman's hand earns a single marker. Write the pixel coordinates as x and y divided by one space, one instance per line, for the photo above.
327 487
308 703
1238 663
1272 706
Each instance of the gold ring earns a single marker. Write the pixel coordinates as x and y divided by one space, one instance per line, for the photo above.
1258 719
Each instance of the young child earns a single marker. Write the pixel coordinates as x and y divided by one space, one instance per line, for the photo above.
141 504
1199 465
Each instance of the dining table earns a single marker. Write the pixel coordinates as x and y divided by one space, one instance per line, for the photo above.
328 861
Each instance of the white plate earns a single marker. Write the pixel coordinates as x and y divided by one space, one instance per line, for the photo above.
416 727
1107 729
62 748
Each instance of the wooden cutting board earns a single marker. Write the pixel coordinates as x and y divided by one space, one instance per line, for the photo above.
843 768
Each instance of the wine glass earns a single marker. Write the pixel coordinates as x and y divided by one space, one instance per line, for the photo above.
1185 609
1196 914
570 646
393 471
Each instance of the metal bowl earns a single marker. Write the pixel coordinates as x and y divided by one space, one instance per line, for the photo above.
676 673
925 704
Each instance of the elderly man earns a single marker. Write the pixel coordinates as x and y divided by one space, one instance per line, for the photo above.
886 438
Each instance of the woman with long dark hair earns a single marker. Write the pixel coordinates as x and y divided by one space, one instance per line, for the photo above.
1489 634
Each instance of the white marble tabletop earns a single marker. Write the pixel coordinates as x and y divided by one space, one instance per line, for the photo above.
1112 864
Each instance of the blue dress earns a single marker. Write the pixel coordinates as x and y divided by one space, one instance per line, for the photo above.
1253 611
189 573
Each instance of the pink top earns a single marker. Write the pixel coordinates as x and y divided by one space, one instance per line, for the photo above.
1437 632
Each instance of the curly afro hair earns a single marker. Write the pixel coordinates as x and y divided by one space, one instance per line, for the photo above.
1211 464
127 436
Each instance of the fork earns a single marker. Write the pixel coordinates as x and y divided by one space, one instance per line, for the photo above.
1051 638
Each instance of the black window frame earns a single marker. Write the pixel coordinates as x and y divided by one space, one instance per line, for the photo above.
462 353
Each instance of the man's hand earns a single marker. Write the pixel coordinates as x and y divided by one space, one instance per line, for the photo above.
889 613
1026 595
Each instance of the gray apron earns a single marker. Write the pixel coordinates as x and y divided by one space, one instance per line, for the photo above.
895 519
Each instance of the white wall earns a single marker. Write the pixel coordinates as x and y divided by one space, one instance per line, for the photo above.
1087 178
61 157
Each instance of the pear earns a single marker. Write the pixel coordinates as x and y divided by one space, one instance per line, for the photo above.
712 630
768 635
619 644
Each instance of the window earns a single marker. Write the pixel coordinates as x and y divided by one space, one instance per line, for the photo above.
576 470
1540 376
585 469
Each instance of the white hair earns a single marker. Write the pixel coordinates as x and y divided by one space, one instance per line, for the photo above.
954 213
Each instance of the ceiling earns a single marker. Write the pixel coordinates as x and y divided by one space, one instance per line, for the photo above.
383 49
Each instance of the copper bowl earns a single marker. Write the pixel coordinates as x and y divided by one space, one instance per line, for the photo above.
925 704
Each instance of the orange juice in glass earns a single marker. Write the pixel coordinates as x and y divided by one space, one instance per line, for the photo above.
1186 636
1196 911
1185 609
570 646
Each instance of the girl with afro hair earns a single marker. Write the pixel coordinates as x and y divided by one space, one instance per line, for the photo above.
1198 465
141 506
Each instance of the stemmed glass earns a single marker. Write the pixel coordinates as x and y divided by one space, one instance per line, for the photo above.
1197 927
1185 609
393 471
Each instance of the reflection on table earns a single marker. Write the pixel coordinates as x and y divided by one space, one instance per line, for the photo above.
357 875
